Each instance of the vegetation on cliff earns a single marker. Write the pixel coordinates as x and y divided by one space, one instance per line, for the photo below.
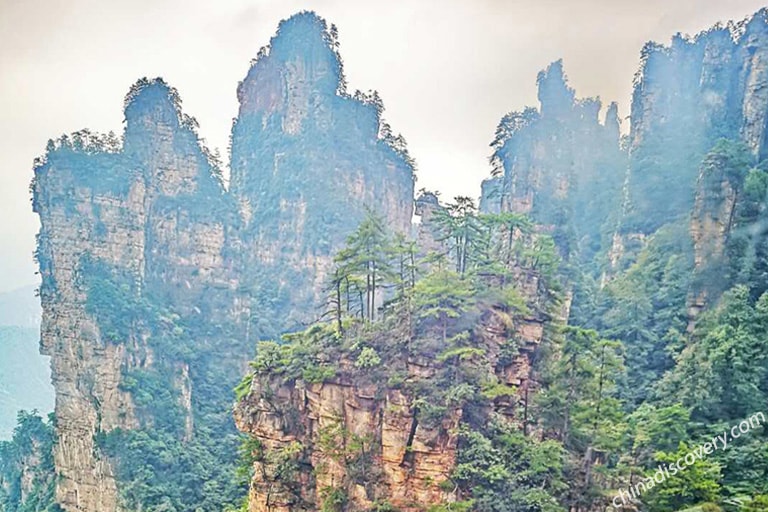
685 304
677 275
26 466
181 456
604 314
448 336
308 157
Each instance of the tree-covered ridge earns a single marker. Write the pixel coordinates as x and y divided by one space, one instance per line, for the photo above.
388 309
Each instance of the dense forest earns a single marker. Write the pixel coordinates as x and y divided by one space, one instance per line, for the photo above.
578 339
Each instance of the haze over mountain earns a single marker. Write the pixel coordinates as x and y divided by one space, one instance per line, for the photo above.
20 307
315 334
446 69
25 375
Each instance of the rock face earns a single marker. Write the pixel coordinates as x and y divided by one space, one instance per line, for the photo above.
365 439
560 165
411 459
710 226
308 159
151 267
686 96
131 212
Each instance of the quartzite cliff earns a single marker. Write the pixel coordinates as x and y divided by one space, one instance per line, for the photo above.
158 280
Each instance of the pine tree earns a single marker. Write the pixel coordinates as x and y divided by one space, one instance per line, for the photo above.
441 296
365 259
459 226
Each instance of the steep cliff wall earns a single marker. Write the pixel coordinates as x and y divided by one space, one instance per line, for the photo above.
85 369
686 96
308 159
126 220
560 165
157 280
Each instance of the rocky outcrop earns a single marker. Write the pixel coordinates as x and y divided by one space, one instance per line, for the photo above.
712 218
308 160
152 272
686 96
336 424
560 165
726 225
491 197
711 222
365 442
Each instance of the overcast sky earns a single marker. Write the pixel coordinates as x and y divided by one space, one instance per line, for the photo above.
446 69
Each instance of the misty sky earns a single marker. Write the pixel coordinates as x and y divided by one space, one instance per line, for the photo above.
446 69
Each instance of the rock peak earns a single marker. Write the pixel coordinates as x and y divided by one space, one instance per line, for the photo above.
153 98
304 46
303 29
554 94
